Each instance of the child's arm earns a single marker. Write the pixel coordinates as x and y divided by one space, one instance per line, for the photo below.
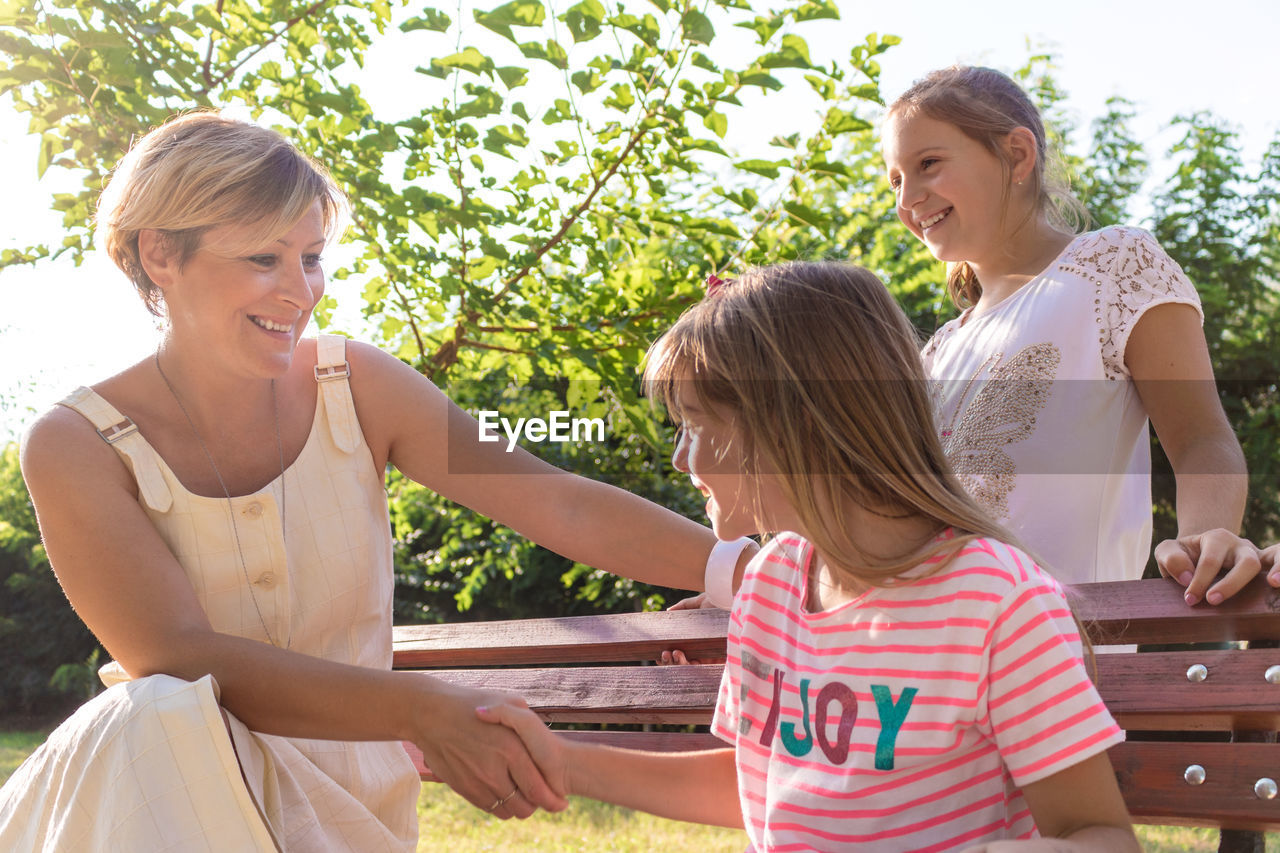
700 787
1077 810
1169 361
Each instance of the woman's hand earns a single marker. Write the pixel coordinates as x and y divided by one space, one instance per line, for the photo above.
546 747
488 766
1196 560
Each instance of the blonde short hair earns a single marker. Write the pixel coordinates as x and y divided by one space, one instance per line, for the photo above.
200 171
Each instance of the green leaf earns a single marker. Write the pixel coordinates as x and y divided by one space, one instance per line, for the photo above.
815 10
646 29
824 86
701 60
826 167
697 27
717 123
623 98
768 168
513 76
764 28
794 53
806 215
469 59
498 138
487 102
432 19
584 20
587 81
551 52
842 121
760 78
517 13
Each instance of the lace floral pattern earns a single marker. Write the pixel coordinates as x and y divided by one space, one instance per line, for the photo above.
1009 395
1130 273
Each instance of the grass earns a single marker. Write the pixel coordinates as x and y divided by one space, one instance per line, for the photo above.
15 746
447 822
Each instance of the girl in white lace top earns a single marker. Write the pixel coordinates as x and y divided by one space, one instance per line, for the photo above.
1066 346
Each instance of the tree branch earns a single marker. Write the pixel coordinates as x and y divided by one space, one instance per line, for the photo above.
212 84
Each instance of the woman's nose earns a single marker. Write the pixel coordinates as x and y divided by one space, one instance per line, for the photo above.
296 286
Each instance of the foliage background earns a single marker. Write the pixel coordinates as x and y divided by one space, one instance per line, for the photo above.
555 201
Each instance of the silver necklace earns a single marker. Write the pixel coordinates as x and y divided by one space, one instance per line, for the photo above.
244 568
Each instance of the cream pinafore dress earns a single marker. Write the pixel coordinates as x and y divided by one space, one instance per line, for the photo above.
148 764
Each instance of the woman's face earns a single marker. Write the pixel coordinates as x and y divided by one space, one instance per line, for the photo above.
249 300
951 190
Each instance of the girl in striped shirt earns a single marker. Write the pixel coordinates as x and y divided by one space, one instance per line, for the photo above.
899 676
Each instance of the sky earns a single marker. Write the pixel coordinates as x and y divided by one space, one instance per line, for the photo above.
63 326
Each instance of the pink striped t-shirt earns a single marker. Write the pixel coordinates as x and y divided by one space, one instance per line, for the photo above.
906 719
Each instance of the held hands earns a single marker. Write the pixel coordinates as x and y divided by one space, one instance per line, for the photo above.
1195 560
488 766
544 745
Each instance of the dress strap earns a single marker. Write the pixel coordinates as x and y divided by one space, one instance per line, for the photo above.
332 375
122 434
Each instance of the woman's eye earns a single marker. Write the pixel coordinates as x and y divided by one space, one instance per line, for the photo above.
895 182
262 260
312 262
926 163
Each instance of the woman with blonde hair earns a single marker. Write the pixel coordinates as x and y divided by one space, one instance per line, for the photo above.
217 515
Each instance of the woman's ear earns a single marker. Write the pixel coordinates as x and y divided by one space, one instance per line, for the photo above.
1022 153
157 257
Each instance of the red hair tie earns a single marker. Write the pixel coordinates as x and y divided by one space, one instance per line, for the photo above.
714 282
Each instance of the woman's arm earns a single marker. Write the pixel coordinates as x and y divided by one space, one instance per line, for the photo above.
126 585
1169 362
1077 810
699 787
409 422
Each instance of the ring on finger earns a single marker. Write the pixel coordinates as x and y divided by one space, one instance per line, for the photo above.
501 802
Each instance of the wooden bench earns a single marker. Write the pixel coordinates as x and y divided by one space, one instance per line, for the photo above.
586 670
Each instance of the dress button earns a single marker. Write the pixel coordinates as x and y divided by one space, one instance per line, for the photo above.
266 580
253 510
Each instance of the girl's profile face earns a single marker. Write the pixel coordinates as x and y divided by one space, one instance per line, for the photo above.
712 451
951 190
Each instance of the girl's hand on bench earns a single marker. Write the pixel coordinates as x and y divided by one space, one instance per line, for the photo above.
1270 559
675 657
1196 560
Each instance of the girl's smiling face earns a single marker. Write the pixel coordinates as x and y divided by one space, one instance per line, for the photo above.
952 191
711 449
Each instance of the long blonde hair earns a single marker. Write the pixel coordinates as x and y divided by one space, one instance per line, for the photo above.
820 371
199 171
986 105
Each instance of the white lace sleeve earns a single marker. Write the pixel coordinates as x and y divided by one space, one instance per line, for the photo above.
1139 276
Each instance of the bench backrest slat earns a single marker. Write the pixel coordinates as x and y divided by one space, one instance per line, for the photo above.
1153 611
569 639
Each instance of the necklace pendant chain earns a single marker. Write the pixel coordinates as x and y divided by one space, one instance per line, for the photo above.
235 530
